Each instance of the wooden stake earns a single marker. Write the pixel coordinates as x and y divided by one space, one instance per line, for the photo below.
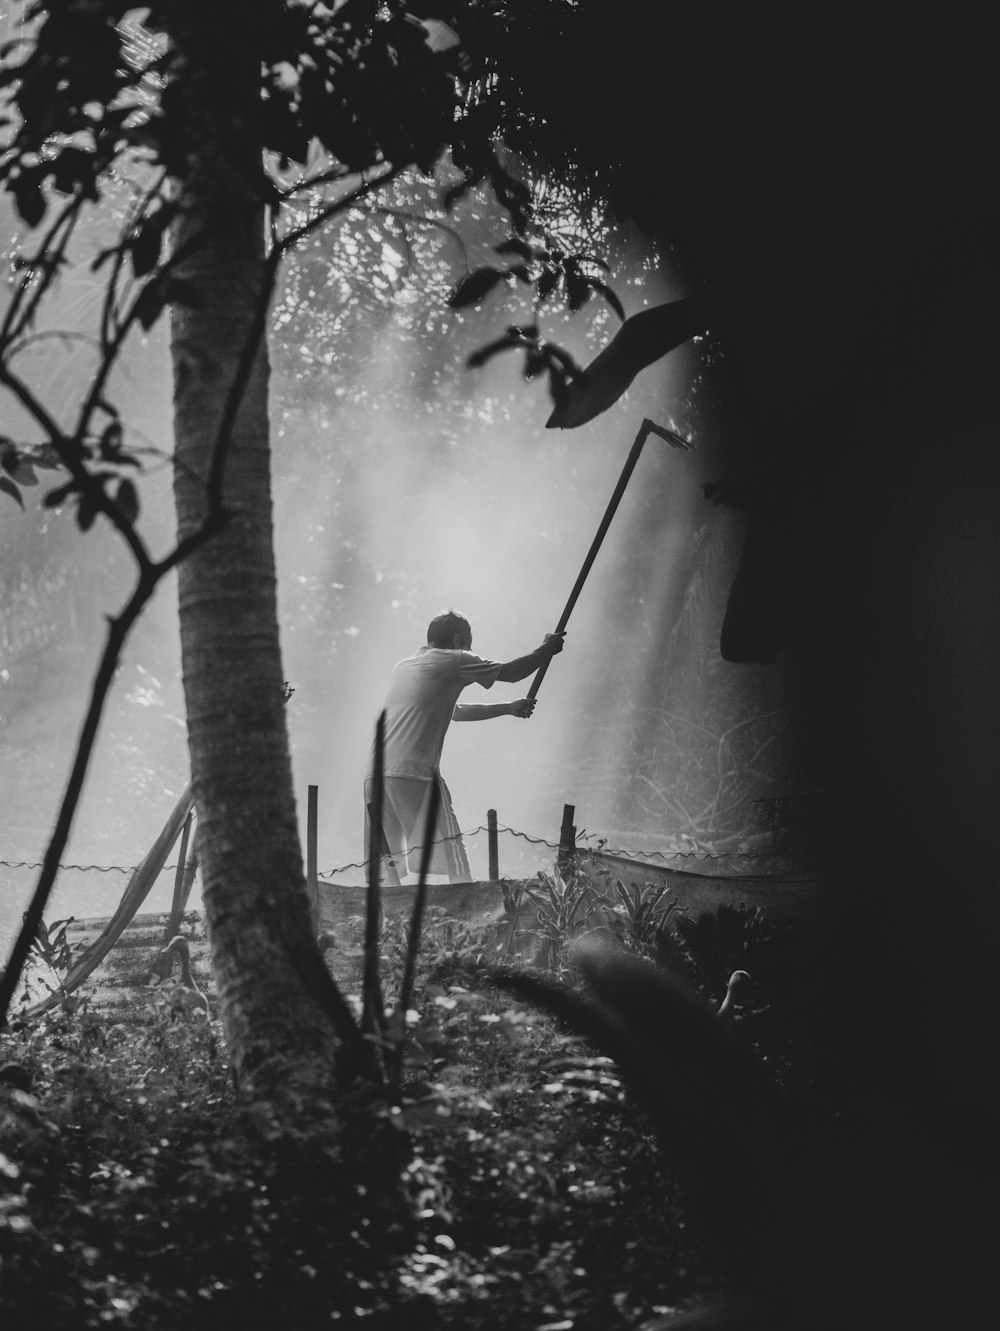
312 877
567 838
491 834
178 901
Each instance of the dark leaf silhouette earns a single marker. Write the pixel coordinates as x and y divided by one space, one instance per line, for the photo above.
474 288
24 473
642 339
9 488
86 511
560 356
55 497
127 499
16 465
146 248
609 296
491 349
515 246
534 362
547 283
577 290
111 440
515 336
75 169
28 199
151 302
558 386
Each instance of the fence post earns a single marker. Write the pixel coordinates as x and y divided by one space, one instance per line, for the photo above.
179 899
312 881
567 838
491 835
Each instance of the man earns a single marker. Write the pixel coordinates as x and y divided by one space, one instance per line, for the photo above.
422 701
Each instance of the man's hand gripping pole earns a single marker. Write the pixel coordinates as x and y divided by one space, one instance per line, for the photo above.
648 427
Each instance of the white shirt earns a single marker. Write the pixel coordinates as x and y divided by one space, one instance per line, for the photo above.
423 691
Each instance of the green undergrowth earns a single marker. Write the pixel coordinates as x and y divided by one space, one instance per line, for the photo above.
545 1200
133 1193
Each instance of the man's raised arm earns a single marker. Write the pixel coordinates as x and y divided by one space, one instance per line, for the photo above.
523 666
485 711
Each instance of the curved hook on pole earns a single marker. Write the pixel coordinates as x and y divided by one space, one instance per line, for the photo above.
647 428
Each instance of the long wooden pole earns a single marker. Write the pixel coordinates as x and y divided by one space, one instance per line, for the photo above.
646 428
177 902
312 877
135 894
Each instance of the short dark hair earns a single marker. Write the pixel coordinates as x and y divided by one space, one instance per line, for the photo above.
442 630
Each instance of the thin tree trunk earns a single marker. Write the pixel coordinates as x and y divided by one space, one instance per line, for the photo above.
256 904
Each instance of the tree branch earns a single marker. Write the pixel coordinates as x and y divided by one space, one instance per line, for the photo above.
150 576
40 272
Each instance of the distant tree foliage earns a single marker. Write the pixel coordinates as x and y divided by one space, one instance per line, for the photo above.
233 134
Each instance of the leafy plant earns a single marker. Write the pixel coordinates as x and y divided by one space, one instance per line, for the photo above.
53 956
51 944
640 913
564 906
717 943
450 951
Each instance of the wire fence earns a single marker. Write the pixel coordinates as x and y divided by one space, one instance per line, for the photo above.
93 890
593 840
81 868
496 851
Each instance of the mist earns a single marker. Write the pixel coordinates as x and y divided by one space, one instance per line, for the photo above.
449 492
426 486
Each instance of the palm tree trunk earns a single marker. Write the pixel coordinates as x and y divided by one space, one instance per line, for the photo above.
254 887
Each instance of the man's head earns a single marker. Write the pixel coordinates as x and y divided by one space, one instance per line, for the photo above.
450 630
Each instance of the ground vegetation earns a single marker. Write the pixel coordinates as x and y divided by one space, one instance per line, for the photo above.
133 1192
